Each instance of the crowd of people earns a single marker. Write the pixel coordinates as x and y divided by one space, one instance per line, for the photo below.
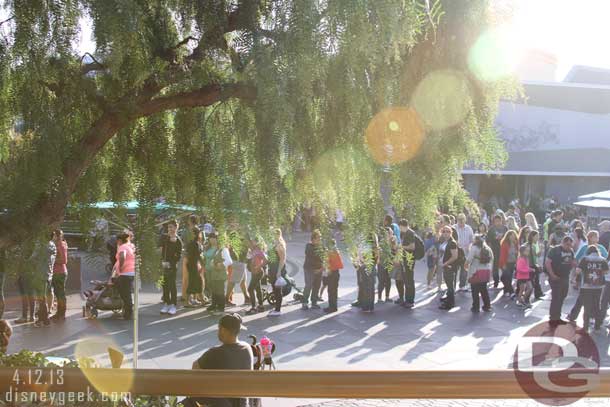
506 251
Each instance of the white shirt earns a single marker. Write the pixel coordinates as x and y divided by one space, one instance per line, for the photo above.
465 236
226 257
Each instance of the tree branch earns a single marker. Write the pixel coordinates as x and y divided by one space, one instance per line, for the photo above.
49 210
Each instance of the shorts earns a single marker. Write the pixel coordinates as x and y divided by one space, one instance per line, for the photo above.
239 273
523 280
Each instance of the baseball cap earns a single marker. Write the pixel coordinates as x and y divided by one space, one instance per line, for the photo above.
231 322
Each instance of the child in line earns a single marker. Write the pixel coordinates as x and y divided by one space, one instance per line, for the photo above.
524 277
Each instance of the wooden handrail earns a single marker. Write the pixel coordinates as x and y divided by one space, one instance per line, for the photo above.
431 384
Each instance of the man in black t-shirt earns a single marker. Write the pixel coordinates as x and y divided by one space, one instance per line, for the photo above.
231 355
449 248
171 251
494 237
559 263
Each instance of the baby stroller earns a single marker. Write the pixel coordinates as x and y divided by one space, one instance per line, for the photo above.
103 296
269 296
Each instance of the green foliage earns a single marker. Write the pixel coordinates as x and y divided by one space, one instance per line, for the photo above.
321 70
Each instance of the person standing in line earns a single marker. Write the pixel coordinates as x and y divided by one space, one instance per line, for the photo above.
523 274
335 265
45 254
384 280
523 234
277 269
494 237
194 252
313 268
217 260
171 251
257 263
388 221
509 252
580 240
465 240
238 276
60 274
26 282
530 220
604 234
448 256
125 270
407 239
370 260
591 270
592 240
479 264
187 238
559 263
534 262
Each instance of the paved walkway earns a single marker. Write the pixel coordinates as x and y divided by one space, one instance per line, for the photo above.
391 338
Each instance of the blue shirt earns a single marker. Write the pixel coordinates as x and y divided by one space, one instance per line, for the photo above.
396 230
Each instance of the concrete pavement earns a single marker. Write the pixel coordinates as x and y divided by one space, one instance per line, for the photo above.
391 338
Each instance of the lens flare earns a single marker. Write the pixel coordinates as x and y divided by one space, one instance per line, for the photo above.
442 99
394 135
495 54
96 349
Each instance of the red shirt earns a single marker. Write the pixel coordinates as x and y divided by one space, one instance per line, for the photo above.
61 261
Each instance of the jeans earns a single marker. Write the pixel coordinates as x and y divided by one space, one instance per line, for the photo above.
496 267
333 289
313 280
507 278
26 292
559 291
59 289
124 285
462 276
480 289
254 289
368 290
384 282
217 289
41 299
409 280
449 276
590 299
603 309
170 292
536 282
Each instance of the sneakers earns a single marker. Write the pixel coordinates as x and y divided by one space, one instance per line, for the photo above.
487 309
304 307
557 322
164 309
475 310
40 324
355 304
315 306
399 302
408 305
251 311
274 313
171 310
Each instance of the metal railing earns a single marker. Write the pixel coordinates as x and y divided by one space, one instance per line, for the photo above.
430 384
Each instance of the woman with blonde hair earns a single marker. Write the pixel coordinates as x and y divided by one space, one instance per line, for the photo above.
511 223
277 269
530 220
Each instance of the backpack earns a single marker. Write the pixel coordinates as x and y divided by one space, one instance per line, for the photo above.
419 251
485 255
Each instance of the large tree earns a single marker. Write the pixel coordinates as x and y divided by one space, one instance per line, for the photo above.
244 104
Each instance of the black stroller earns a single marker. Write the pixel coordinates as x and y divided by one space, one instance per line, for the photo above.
104 296
269 296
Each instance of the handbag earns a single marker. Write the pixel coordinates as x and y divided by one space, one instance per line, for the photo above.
280 282
480 276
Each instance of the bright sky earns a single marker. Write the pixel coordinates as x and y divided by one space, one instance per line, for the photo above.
576 31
